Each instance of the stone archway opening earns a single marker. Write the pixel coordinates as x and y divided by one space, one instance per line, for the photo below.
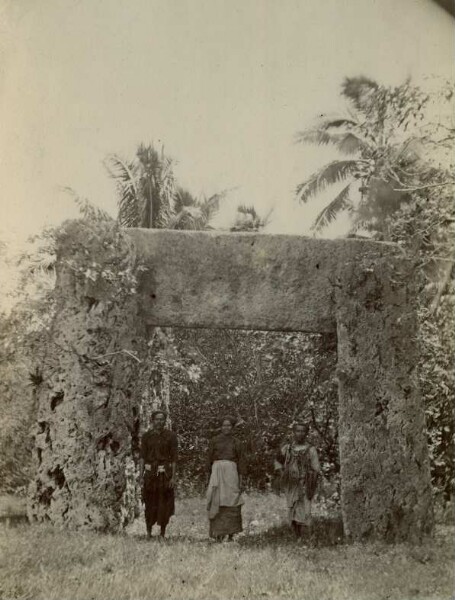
91 403
264 379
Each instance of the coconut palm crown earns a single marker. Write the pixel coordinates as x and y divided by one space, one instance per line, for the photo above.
380 139
145 187
149 197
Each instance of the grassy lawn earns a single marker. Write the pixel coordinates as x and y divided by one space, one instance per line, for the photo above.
41 562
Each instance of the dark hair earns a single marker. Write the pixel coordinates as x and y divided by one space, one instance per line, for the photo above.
159 412
301 424
232 420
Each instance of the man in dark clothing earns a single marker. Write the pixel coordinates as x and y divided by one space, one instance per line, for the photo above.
158 473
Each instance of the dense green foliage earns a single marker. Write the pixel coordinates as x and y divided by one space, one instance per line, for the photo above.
389 143
425 228
400 142
22 328
265 380
149 196
17 410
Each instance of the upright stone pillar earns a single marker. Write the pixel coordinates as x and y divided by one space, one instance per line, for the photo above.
385 476
90 399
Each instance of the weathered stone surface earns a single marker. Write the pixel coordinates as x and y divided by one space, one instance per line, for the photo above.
242 280
90 403
385 471
99 380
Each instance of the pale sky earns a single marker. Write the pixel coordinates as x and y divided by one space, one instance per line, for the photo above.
224 84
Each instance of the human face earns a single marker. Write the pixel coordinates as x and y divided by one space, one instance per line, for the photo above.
159 421
226 427
299 433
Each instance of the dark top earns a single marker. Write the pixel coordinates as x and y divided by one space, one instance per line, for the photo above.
226 447
159 447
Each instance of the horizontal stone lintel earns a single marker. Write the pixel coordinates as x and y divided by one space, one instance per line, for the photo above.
245 280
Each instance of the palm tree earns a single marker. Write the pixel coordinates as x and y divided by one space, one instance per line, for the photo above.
247 219
149 197
381 154
145 187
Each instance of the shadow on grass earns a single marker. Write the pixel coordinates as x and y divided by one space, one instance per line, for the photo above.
14 520
12 511
325 532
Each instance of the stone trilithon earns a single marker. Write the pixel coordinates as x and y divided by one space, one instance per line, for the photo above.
92 404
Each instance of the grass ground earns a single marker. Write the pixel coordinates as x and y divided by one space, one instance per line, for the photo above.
40 562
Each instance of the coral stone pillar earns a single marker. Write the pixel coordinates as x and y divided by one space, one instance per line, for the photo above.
90 400
385 474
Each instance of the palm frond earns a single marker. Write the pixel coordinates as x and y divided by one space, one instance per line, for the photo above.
337 122
358 90
247 210
193 213
326 123
86 208
125 175
347 142
182 198
180 220
210 206
166 191
330 212
268 216
335 171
